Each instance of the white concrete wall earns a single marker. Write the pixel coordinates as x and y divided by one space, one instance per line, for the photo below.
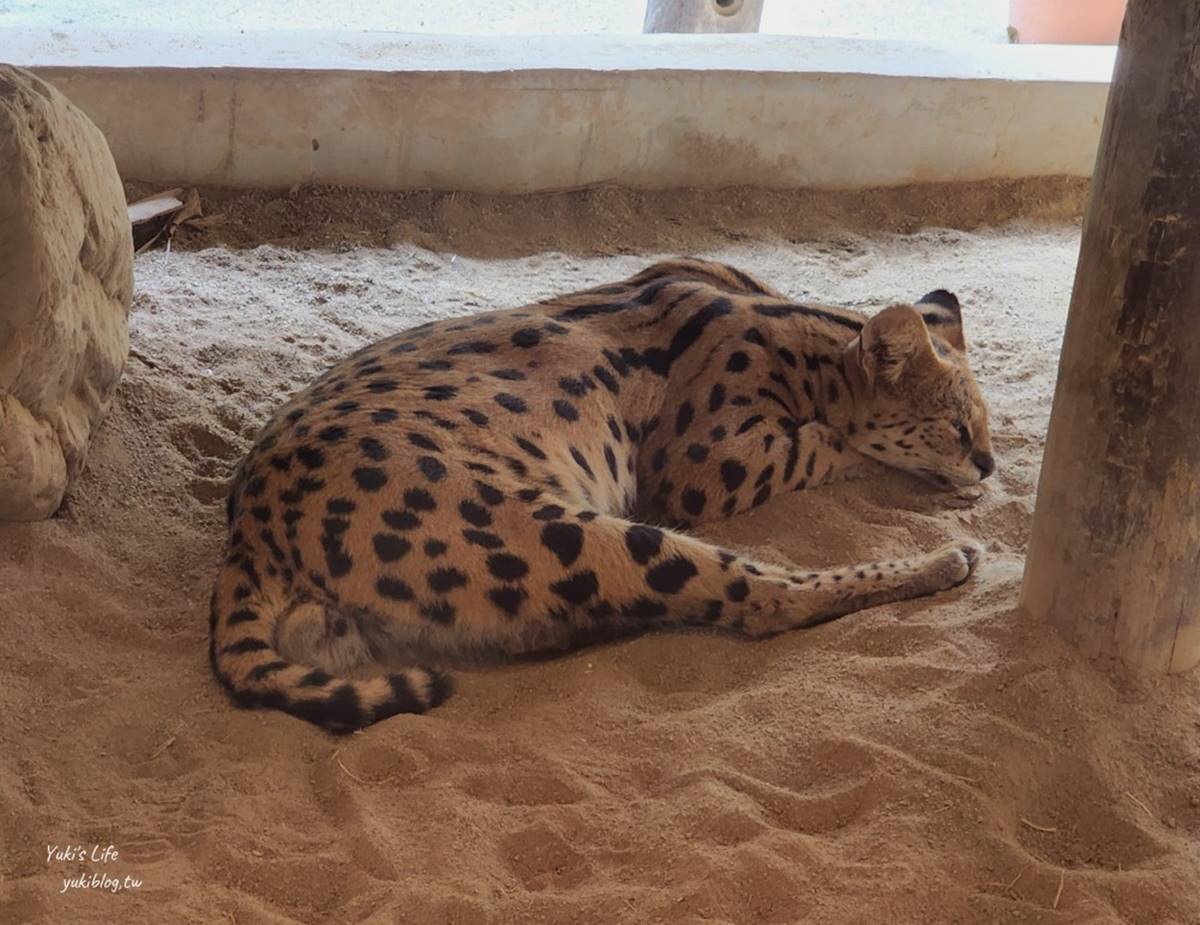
518 115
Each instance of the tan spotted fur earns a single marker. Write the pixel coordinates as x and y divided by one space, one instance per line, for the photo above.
520 482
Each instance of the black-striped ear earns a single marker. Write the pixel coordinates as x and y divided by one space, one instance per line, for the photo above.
943 316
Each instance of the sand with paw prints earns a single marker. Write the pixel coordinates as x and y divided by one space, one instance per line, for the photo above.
946 760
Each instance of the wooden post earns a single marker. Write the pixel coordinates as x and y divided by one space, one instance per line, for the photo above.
703 15
1114 555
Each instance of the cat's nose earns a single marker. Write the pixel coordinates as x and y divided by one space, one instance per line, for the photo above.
984 462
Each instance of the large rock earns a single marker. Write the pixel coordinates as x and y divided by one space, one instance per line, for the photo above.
66 278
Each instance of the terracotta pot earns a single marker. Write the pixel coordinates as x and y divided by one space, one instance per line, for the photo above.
1066 22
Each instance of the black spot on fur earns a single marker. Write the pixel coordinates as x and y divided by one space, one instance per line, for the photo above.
373 449
393 589
526 337
737 590
617 362
242 646
472 347
737 362
432 468
332 434
389 547
565 410
483 539
697 452
401 520
683 418
418 499
475 514
644 609
670 576
507 567
748 424
573 387
384 416
435 548
440 392
421 442
578 588
489 493
311 457
263 671
564 540
337 560
531 448
581 461
549 512
611 459
608 380
516 467
335 526
693 501
733 473
511 403
369 478
508 599
444 580
442 612
643 542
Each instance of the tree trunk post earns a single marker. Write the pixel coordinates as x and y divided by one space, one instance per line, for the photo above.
703 15
1114 553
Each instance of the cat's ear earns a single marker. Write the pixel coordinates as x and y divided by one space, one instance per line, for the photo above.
942 314
893 343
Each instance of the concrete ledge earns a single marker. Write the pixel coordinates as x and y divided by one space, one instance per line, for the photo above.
404 112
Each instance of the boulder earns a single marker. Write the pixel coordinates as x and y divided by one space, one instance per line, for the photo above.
66 279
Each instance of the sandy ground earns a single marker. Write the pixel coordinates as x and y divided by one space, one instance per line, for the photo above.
936 21
943 760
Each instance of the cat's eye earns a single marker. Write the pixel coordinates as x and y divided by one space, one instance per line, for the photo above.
964 436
